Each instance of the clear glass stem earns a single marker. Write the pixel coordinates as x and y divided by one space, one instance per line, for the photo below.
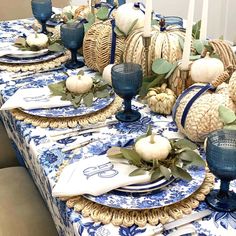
127 103
224 189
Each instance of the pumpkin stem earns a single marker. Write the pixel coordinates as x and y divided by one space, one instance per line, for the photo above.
207 55
152 141
36 34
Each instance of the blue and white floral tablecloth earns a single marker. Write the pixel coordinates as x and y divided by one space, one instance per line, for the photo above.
43 157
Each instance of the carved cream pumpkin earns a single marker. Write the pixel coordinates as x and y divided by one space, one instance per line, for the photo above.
206 69
38 40
79 83
202 117
163 45
126 16
97 46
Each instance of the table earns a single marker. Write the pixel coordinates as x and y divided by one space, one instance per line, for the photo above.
43 157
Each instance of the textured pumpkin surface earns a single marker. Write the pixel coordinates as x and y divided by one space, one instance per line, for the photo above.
163 45
97 46
203 116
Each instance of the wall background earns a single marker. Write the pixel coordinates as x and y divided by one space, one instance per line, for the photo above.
221 20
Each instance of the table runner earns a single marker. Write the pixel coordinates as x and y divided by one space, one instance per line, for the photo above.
43 158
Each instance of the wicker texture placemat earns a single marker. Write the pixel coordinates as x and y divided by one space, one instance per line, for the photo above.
117 217
69 122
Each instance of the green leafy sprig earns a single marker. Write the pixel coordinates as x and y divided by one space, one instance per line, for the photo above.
100 89
53 45
182 154
228 117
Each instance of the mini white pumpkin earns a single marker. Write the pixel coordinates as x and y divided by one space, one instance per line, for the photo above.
79 83
39 40
106 74
126 15
206 69
153 147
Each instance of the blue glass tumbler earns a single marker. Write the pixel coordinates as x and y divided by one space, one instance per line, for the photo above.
126 82
221 159
72 35
42 11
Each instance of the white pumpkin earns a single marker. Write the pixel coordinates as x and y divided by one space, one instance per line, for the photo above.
126 15
39 40
153 147
79 83
106 74
206 69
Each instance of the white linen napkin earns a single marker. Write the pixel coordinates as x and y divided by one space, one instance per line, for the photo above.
95 175
34 98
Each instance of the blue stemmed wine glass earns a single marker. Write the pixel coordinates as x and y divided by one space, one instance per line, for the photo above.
42 11
221 159
126 82
72 35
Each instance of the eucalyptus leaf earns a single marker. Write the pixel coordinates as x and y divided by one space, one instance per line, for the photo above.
102 94
118 32
183 143
194 57
88 99
174 66
180 173
156 82
138 172
132 26
131 155
102 13
230 127
57 89
190 155
161 66
114 152
81 72
209 48
77 98
69 15
215 55
56 47
91 20
165 172
156 174
196 30
226 115
199 45
144 89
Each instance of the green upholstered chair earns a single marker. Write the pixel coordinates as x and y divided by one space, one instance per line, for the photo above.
22 209
7 153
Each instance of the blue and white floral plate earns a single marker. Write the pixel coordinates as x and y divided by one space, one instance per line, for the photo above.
176 191
27 60
67 111
164 196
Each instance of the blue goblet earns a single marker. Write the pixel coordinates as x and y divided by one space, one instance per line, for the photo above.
42 11
221 159
126 82
72 35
